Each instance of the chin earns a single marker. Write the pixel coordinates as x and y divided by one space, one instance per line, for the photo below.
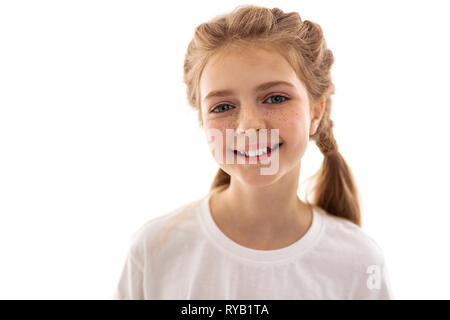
254 178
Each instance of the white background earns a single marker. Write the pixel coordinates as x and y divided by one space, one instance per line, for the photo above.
96 136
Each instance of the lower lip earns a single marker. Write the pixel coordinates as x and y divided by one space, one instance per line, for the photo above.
259 158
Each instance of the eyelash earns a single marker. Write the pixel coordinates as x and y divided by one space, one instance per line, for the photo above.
226 104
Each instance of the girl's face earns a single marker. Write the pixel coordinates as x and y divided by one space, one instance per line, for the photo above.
284 106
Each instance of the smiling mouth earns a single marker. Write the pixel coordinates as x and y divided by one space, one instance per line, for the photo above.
267 152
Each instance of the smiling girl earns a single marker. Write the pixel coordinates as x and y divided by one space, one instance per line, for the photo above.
258 70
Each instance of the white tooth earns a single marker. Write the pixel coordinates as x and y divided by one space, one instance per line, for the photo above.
253 153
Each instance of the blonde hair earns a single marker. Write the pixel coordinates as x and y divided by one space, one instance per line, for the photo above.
303 45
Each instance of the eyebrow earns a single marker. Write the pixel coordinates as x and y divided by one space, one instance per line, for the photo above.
261 87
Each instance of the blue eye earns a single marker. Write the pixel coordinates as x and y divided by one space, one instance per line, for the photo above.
275 95
220 105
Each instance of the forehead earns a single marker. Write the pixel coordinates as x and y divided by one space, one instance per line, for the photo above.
240 68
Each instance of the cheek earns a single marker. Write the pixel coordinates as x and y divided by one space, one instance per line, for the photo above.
216 137
217 128
293 125
220 123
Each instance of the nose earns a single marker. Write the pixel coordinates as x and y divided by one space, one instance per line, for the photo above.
250 118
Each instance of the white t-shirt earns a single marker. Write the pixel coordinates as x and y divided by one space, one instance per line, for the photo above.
334 259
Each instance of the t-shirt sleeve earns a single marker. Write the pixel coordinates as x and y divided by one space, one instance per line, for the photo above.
131 282
376 284
384 292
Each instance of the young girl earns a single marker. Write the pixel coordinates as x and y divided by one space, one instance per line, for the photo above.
259 70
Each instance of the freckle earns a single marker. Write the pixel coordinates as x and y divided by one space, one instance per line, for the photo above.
284 117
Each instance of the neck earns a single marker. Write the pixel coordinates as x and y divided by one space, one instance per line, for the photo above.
262 211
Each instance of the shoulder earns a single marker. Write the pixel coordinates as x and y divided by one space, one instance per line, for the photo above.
356 258
154 232
350 240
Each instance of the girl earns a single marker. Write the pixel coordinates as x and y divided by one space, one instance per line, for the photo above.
258 70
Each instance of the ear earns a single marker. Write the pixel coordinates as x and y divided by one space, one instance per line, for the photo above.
317 114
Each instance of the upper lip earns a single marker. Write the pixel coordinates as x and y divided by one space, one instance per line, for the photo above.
257 146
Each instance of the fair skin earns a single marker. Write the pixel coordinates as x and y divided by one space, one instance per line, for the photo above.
258 211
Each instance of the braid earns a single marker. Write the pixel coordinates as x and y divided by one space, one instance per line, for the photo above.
326 141
324 136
